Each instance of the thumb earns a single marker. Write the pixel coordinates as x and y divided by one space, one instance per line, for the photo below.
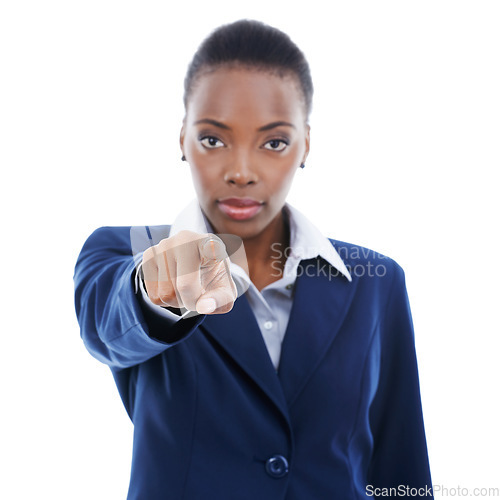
219 299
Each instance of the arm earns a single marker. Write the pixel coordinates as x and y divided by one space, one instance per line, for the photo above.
116 327
400 451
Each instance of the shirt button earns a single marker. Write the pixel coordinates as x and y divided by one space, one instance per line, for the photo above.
277 466
289 287
268 325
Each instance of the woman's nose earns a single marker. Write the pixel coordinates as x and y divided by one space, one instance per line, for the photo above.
240 173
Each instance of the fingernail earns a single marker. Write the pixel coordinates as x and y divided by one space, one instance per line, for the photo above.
205 306
213 250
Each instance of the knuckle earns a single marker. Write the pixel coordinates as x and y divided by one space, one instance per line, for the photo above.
183 284
185 236
163 246
167 295
148 255
155 299
182 234
163 241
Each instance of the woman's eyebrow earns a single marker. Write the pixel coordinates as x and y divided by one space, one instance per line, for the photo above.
269 126
212 122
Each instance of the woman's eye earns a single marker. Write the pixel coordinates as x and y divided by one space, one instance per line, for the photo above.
211 142
276 145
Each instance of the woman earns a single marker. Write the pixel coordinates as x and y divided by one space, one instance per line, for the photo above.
303 387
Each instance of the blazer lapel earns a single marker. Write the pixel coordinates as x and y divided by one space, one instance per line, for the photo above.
239 334
319 307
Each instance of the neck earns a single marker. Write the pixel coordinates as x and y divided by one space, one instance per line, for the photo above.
259 249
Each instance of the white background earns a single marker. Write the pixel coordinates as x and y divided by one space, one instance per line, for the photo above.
405 152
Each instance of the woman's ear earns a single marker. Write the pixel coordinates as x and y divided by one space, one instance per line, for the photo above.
308 141
181 138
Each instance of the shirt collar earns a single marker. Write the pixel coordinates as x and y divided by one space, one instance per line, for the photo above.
306 240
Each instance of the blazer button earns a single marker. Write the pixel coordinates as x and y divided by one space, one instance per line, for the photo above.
277 466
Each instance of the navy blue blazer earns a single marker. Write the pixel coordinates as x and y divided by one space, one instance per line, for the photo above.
212 417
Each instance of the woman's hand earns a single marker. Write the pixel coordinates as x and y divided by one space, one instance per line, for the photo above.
190 270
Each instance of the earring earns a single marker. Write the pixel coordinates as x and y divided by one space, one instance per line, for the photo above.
302 165
183 158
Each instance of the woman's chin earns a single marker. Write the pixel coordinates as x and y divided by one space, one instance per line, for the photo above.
245 229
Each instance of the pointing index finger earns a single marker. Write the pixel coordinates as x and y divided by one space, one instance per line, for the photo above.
213 249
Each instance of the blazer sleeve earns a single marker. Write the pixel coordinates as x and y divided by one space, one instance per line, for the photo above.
400 458
115 326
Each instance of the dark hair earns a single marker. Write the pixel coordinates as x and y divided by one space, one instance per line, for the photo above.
251 44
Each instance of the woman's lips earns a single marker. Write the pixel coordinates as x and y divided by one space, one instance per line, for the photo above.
240 208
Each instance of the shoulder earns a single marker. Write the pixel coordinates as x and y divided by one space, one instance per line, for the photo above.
127 239
364 263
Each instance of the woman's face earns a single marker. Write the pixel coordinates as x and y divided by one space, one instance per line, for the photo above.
244 136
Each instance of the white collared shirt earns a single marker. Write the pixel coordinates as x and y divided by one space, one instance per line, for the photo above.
271 305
